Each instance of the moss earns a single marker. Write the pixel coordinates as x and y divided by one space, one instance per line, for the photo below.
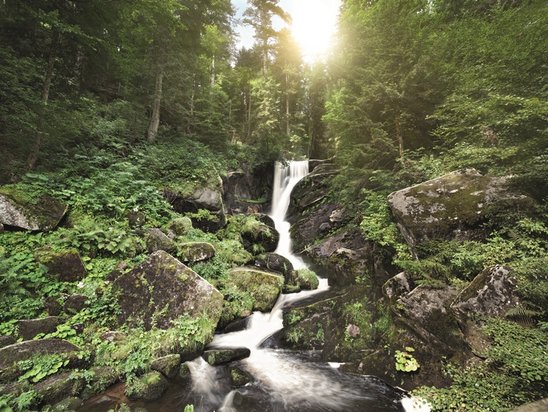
264 287
307 279
148 387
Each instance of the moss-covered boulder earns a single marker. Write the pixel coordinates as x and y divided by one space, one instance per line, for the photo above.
20 211
450 206
148 387
239 377
180 226
58 387
275 263
156 240
259 234
75 303
193 252
6 340
221 356
161 290
29 328
263 286
66 265
306 279
167 365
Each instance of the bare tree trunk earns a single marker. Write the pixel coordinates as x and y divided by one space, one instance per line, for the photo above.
213 71
249 116
287 126
155 117
399 137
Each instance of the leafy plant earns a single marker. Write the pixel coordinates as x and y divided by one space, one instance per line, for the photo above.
405 361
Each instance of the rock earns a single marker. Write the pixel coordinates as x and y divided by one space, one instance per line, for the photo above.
1 227
448 207
262 235
167 365
184 372
325 227
275 263
148 387
193 252
58 387
136 219
248 188
114 336
156 240
68 404
6 340
239 377
162 289
426 310
18 210
10 355
52 306
491 293
309 226
539 406
67 265
397 286
264 287
217 357
180 226
100 378
353 331
75 303
306 279
29 328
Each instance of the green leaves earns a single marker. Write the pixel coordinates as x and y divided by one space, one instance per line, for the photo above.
405 361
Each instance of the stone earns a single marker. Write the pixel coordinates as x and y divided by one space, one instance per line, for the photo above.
52 306
184 372
136 219
217 357
275 263
448 207
325 227
20 211
66 265
264 287
306 279
539 406
156 240
397 286
180 226
6 340
491 293
29 328
75 303
114 336
167 365
239 377
353 330
193 252
262 235
248 188
1 227
58 387
148 387
161 290
68 404
10 355
100 378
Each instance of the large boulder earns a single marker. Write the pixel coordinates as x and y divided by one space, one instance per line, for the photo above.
60 386
263 286
148 387
450 206
156 240
275 263
217 357
248 190
162 289
20 211
260 235
167 365
29 328
193 252
66 265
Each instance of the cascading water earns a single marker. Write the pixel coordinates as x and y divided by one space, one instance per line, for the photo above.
286 380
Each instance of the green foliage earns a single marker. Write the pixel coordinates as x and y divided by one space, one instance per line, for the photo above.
40 367
21 403
405 361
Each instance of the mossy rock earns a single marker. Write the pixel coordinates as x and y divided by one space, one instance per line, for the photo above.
58 387
167 365
66 265
156 240
264 287
306 279
239 377
148 387
193 252
217 357
29 328
39 214
180 226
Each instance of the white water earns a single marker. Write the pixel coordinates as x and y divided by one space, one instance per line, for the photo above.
291 383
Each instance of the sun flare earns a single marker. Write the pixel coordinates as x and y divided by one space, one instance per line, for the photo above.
314 26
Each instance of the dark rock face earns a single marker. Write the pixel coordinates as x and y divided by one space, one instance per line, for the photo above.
148 387
222 356
239 377
19 211
167 365
29 328
397 286
162 289
67 266
193 252
75 303
450 206
249 191
157 240
59 387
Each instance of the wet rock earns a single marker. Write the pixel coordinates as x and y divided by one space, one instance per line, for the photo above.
262 235
148 387
239 377
1 227
448 207
180 226
184 372
306 279
67 265
162 289
136 219
58 387
193 252
75 303
29 328
397 286
221 356
6 340
236 326
167 365
275 263
264 287
491 293
20 211
156 240
309 225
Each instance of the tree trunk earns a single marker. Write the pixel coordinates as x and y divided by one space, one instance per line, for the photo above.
399 137
213 71
287 126
249 116
155 117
